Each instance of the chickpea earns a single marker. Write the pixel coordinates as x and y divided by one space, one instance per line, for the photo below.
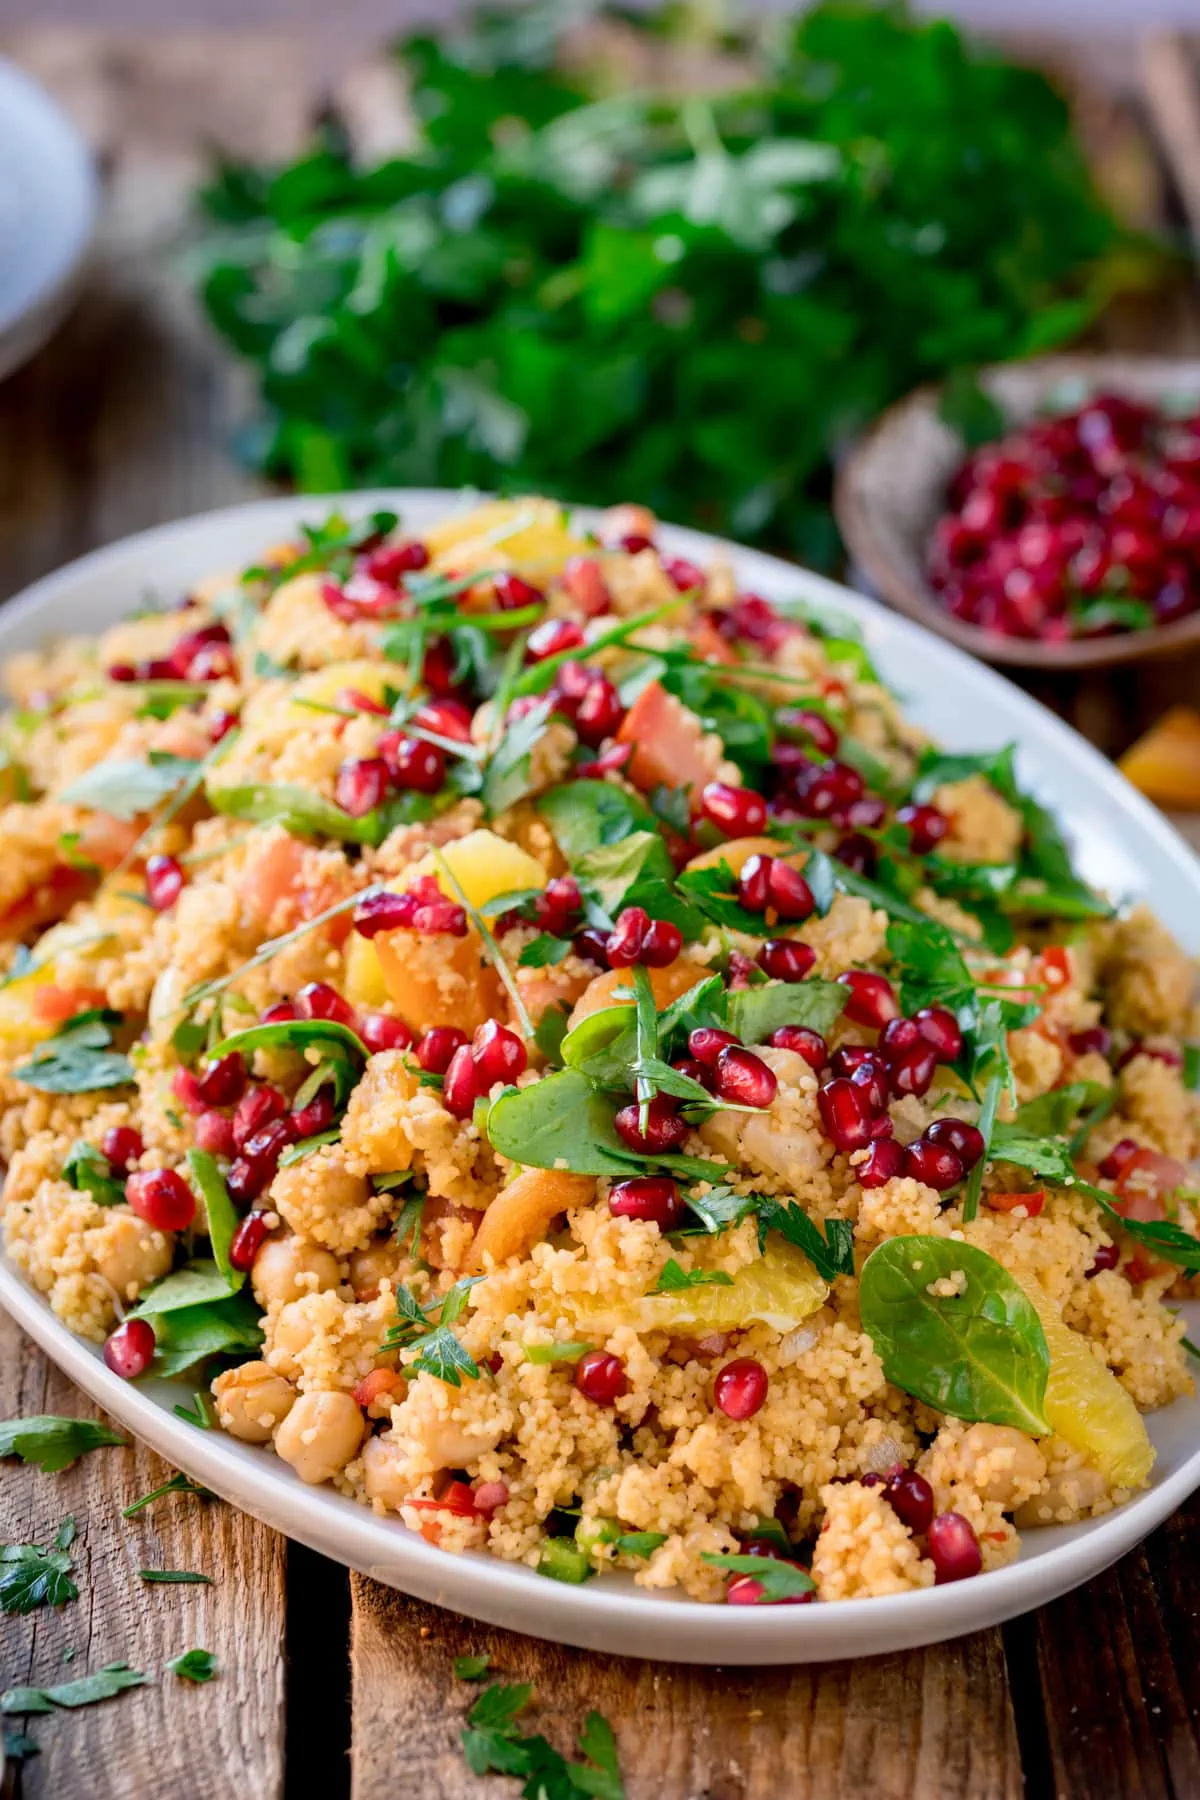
320 1435
284 1269
447 1442
293 1329
129 1253
379 1261
383 1476
1068 1494
1001 1463
252 1400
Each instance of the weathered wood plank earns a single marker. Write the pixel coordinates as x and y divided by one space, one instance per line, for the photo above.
935 1723
172 1739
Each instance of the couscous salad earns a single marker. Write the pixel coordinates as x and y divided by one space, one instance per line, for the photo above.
533 1036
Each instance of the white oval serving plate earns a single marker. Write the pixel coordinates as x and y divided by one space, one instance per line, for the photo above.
1121 844
48 201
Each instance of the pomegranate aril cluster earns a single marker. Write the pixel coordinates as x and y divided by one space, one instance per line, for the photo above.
1052 521
494 1054
205 654
588 699
422 907
637 938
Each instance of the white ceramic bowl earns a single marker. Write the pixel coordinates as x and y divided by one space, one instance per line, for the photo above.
1122 844
47 211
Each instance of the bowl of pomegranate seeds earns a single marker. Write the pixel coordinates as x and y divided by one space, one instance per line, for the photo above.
1064 534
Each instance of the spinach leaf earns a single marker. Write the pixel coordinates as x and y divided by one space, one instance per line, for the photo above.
191 1334
544 952
585 815
299 811
78 1059
714 891
550 1033
558 1122
977 1352
195 1284
636 872
1052 1114
343 1052
778 1580
939 768
126 789
753 1013
89 1171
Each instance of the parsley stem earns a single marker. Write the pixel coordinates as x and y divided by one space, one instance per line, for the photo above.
987 1119
541 676
491 948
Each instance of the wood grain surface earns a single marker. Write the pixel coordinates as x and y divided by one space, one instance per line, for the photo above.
334 1686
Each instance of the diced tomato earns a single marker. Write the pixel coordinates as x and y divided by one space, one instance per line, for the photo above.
1033 1203
708 642
46 902
377 1385
458 1498
106 841
1142 1267
53 1005
278 878
666 742
1055 966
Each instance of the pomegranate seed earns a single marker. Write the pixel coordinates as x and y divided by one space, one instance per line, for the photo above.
1096 1040
599 713
557 904
244 1181
256 1108
654 1198
308 1121
741 970
1172 1058
912 1072
806 1043
740 1388
248 1240
552 637
872 998
735 811
926 827
498 1053
129 1351
858 854
390 561
661 944
634 542
615 757
939 1027
1117 1157
461 1086
121 672
162 1197
412 764
965 1140
439 669
384 912
867 1070
186 1090
687 1065
164 882
278 1013
223 1083
122 1145
665 1130
449 718
788 892
786 959
600 1377
753 882
584 582
623 946
815 727
220 726
317 1000
707 1042
682 574
435 1050
360 785
845 1114
380 1031
953 1548
253 1170
911 1499
743 1078
1107 1257
214 1133
354 700
933 1164
744 1590
490 1496
885 1160
897 1036
513 592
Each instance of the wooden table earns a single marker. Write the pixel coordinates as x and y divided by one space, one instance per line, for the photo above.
331 1685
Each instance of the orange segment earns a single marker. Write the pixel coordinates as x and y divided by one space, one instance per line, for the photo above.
1165 762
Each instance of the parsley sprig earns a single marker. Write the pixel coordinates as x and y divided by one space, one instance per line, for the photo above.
427 1330
493 1744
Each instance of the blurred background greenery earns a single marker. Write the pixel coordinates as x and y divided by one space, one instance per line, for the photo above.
647 255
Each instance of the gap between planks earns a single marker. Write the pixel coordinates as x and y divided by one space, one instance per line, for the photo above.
935 1723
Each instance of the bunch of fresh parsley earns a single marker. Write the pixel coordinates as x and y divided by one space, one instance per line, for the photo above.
600 292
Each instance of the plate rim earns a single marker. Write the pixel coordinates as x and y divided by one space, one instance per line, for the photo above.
606 1615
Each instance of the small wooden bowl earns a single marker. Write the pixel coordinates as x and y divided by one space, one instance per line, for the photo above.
892 488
